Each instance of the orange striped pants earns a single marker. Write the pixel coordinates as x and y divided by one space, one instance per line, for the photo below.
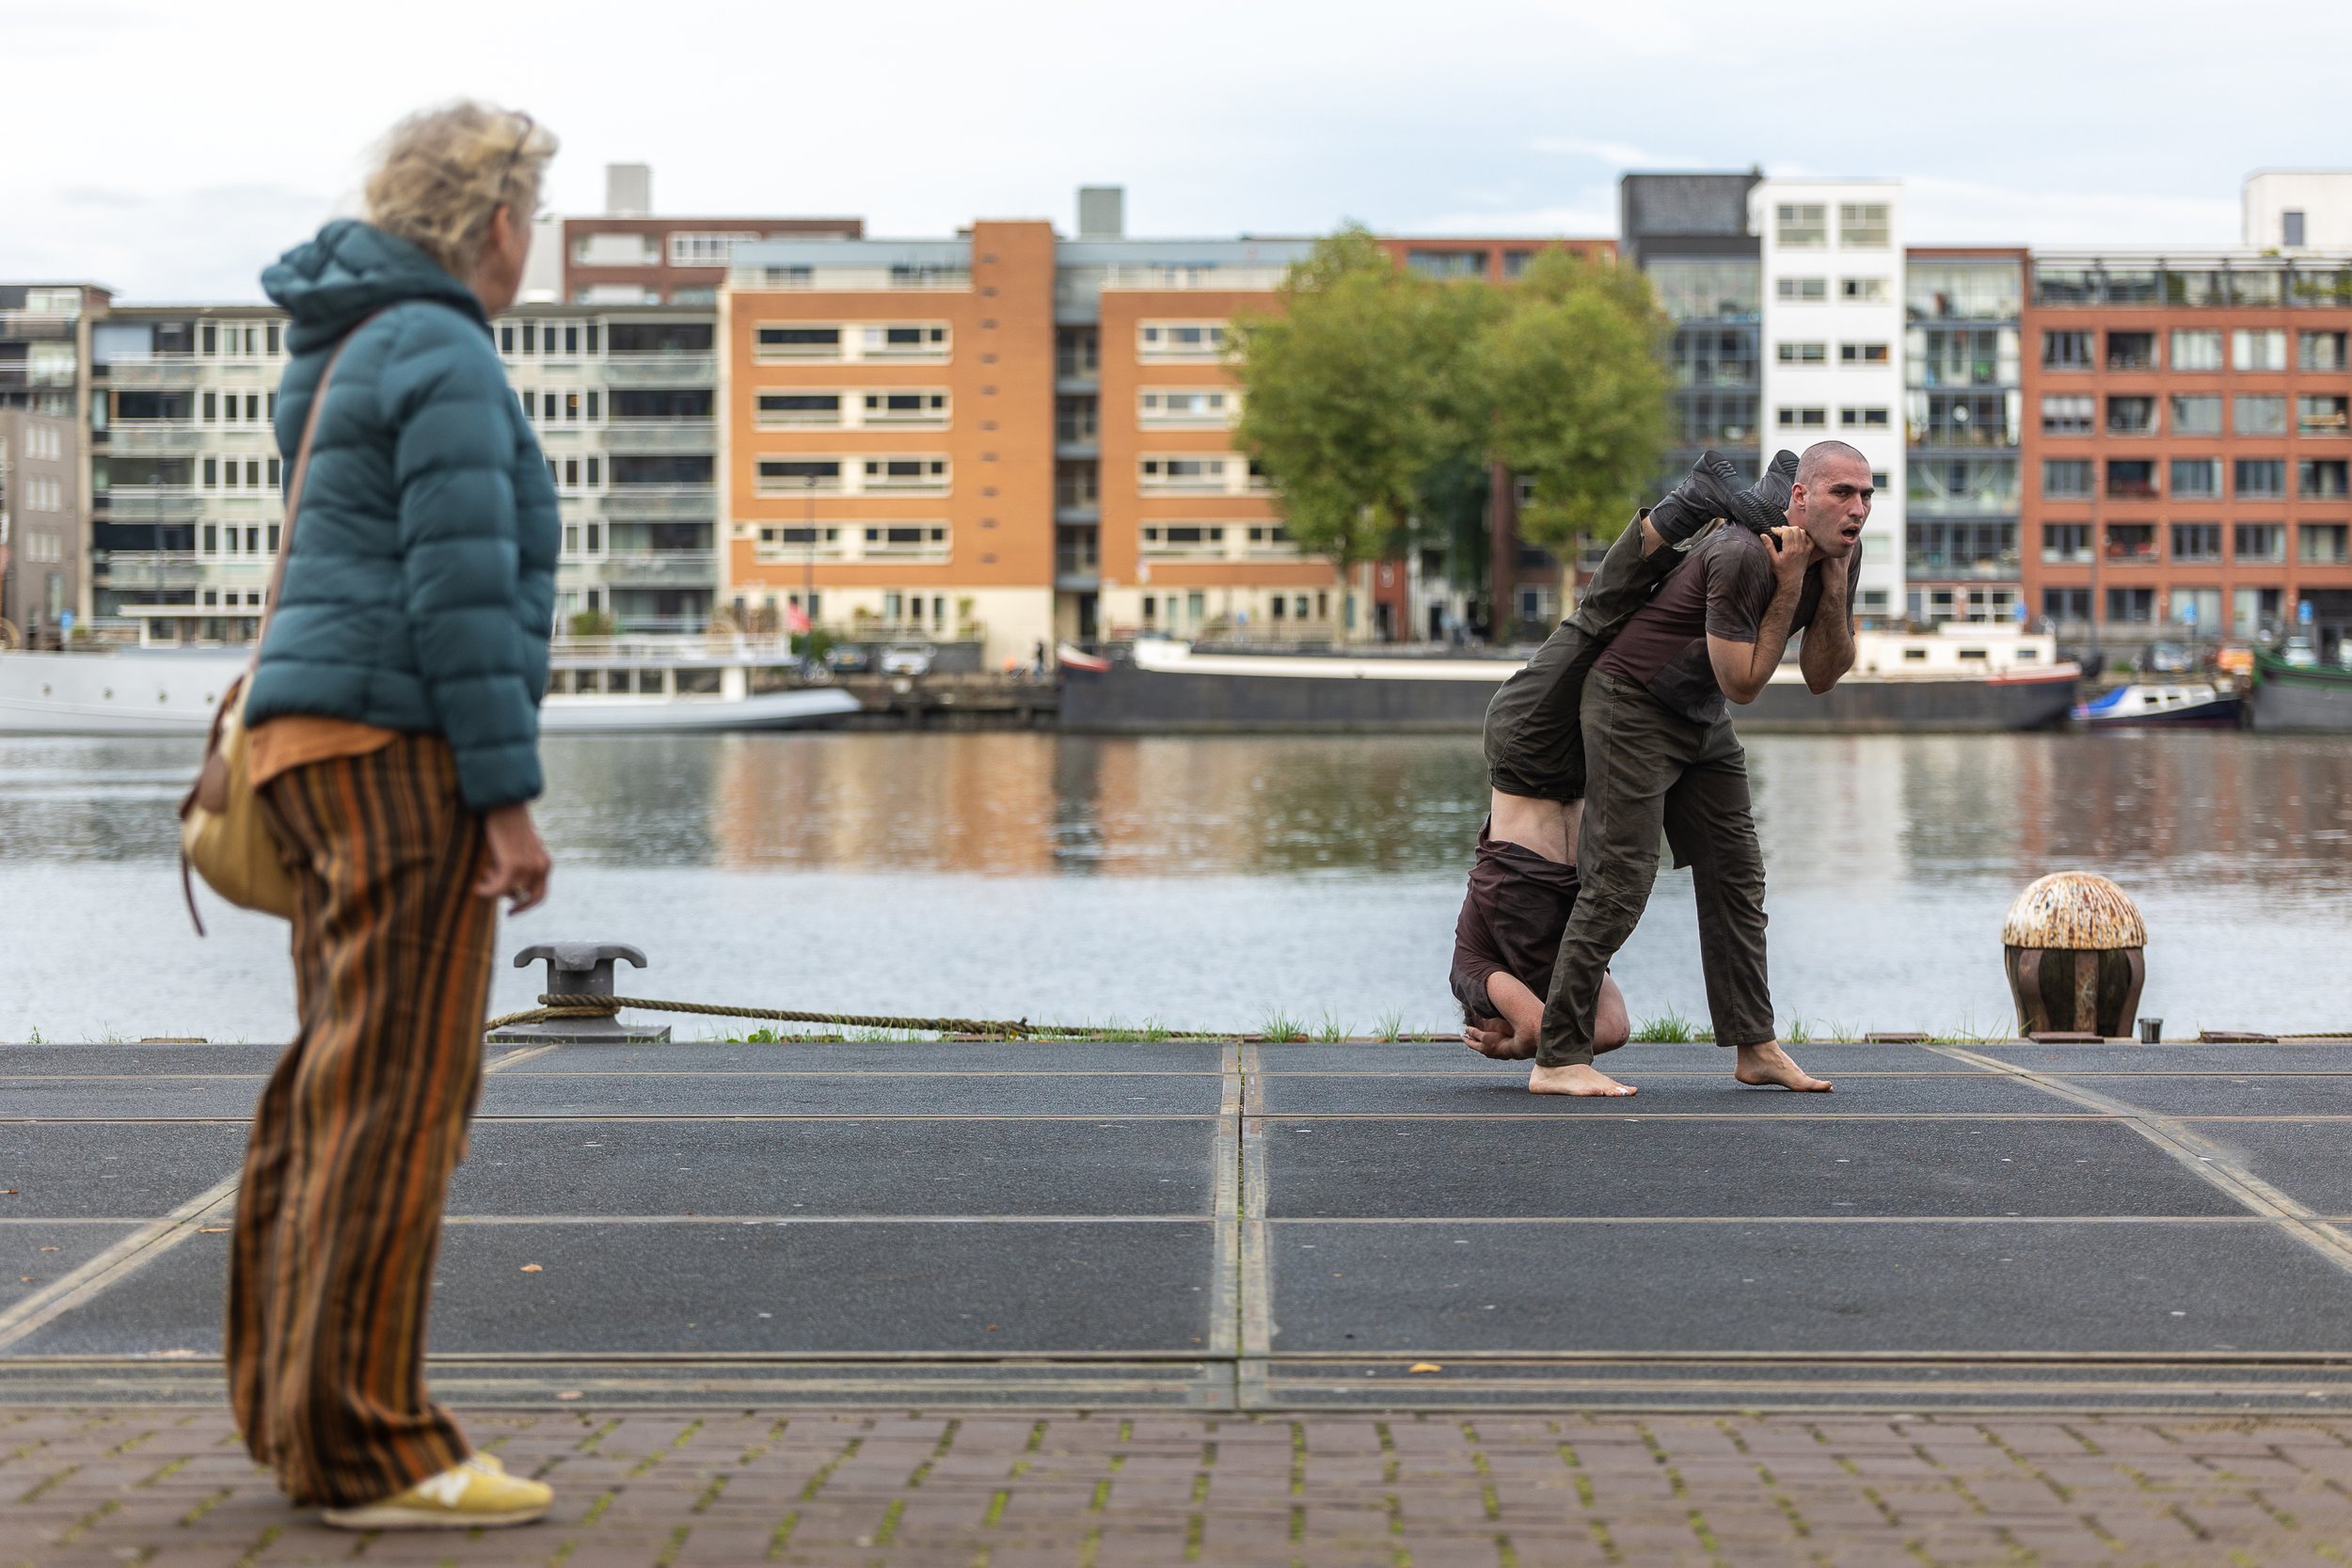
339 1218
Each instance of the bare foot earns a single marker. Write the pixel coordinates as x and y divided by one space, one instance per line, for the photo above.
1497 1044
1769 1064
1578 1078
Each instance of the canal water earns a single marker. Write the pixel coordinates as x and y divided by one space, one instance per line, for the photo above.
1216 883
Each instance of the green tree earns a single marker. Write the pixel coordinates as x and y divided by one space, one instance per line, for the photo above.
1343 405
1574 386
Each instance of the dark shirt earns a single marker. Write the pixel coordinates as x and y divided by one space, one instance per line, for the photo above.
1721 590
1512 920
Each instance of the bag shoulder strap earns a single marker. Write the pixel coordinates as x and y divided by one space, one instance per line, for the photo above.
293 490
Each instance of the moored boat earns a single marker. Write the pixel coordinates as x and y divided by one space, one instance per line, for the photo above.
2166 703
600 686
1975 677
2309 698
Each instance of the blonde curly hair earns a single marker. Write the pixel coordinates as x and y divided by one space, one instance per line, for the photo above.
441 173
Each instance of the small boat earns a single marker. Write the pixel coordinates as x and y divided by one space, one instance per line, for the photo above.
2159 703
2295 696
604 685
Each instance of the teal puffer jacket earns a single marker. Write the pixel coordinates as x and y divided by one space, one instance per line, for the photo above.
420 587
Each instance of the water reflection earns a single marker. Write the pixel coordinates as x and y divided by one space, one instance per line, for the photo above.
2183 809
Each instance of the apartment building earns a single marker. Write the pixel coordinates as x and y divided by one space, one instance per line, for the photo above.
1832 346
1693 236
1964 416
184 471
2187 444
624 402
44 495
627 256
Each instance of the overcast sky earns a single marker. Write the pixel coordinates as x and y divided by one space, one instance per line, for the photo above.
170 150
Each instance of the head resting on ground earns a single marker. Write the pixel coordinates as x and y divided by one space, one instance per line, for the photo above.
461 183
1831 499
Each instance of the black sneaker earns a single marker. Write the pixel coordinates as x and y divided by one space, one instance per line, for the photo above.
1764 505
1705 493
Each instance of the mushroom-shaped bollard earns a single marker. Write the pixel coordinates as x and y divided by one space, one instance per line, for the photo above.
2072 944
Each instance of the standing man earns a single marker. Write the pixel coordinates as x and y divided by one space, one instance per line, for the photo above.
1660 752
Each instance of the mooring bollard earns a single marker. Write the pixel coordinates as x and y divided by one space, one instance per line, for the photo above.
2074 953
580 969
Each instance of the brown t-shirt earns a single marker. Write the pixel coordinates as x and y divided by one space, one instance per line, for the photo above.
1513 918
1721 590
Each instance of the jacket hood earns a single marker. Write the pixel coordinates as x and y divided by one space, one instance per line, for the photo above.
352 269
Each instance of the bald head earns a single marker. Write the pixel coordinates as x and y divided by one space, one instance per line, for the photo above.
1823 455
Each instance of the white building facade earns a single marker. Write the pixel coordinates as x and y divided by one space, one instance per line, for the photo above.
1833 345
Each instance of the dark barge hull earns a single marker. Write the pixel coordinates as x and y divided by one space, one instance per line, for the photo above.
1125 700
2294 700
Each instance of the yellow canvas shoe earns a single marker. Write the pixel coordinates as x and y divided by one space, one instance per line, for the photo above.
477 1494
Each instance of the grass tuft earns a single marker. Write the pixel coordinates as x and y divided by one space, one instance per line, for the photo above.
1281 1026
1667 1028
1333 1032
1391 1028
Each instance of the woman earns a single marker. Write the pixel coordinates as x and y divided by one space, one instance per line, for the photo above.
395 743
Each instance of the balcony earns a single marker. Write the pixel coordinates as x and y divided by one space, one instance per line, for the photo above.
662 569
1946 567
155 569
152 505
36 326
156 438
165 369
661 503
663 369
661 435
1254 279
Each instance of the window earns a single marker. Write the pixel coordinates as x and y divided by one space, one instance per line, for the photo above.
2066 603
1863 291
2196 478
1803 225
2066 351
786 474
2259 542
793 408
704 250
2067 415
1180 339
2262 476
2196 541
2319 351
2323 544
1862 224
1803 291
2130 478
1184 405
2132 416
906 539
796 343
2258 350
2065 478
2131 351
1805 418
2196 351
679 337
2196 414
2323 415
914 408
894 341
1864 419
2323 478
1183 473
1963 290
1183 539
2260 416
1863 354
2291 229
2064 544
906 473
1446 264
1805 354
2132 605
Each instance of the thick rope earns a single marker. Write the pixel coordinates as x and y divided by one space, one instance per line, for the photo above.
567 1005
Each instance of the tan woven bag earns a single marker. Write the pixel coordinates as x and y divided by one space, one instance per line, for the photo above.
223 831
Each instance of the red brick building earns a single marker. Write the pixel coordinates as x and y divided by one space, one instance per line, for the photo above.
2188 452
